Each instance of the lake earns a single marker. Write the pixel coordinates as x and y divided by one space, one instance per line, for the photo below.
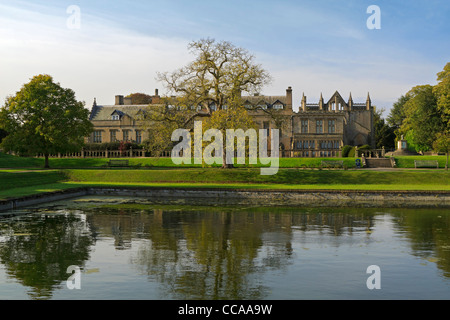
99 247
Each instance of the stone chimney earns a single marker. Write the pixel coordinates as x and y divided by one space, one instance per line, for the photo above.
156 98
289 97
119 100
127 100
321 102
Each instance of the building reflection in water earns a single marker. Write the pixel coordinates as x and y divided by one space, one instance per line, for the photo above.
196 252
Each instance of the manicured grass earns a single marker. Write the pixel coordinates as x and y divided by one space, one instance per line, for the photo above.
168 163
289 177
294 173
9 161
16 183
408 161
36 189
17 179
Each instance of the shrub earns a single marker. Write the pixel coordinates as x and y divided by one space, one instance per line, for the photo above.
345 150
351 153
110 146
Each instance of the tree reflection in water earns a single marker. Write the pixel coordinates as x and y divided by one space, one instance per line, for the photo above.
37 249
196 252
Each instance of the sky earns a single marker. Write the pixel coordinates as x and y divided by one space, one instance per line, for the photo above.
101 49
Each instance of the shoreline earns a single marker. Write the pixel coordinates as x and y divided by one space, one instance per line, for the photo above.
267 197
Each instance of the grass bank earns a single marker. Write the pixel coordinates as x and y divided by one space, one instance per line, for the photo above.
16 183
252 176
9 161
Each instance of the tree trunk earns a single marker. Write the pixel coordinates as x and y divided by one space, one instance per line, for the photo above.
446 164
46 161
226 165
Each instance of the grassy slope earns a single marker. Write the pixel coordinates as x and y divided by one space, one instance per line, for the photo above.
19 182
8 161
284 176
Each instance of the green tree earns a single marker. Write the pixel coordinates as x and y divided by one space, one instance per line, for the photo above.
384 134
442 92
212 83
442 144
3 134
44 118
423 119
397 113
140 98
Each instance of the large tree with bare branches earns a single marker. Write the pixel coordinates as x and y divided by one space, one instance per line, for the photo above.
212 83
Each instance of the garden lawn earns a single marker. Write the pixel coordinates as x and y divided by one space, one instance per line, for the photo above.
289 178
9 161
15 183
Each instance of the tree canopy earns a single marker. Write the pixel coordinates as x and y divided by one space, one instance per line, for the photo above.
140 98
44 118
217 77
209 89
423 113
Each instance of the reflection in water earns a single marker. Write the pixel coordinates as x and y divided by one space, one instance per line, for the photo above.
36 250
199 252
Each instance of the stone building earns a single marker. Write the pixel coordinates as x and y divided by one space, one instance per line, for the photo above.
118 122
315 130
320 129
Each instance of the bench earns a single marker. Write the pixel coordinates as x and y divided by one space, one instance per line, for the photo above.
332 164
426 164
117 163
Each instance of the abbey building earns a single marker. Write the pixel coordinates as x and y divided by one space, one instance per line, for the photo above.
317 129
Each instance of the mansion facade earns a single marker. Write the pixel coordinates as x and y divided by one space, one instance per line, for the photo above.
316 130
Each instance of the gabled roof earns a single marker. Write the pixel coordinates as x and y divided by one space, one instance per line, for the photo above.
269 100
335 94
118 112
99 113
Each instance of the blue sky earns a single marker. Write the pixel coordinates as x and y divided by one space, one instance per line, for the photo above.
314 46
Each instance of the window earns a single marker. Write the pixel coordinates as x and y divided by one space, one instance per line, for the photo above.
331 126
138 136
304 126
262 106
115 117
126 135
112 136
97 137
278 106
319 126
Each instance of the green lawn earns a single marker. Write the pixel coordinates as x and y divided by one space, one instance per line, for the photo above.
8 161
24 177
252 176
19 183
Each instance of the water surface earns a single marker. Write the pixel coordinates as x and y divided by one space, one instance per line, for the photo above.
133 248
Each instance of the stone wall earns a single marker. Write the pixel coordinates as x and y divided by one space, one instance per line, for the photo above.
208 196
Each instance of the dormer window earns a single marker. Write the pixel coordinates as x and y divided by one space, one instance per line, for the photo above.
115 117
278 106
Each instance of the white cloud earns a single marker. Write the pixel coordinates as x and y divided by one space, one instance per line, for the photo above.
98 60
